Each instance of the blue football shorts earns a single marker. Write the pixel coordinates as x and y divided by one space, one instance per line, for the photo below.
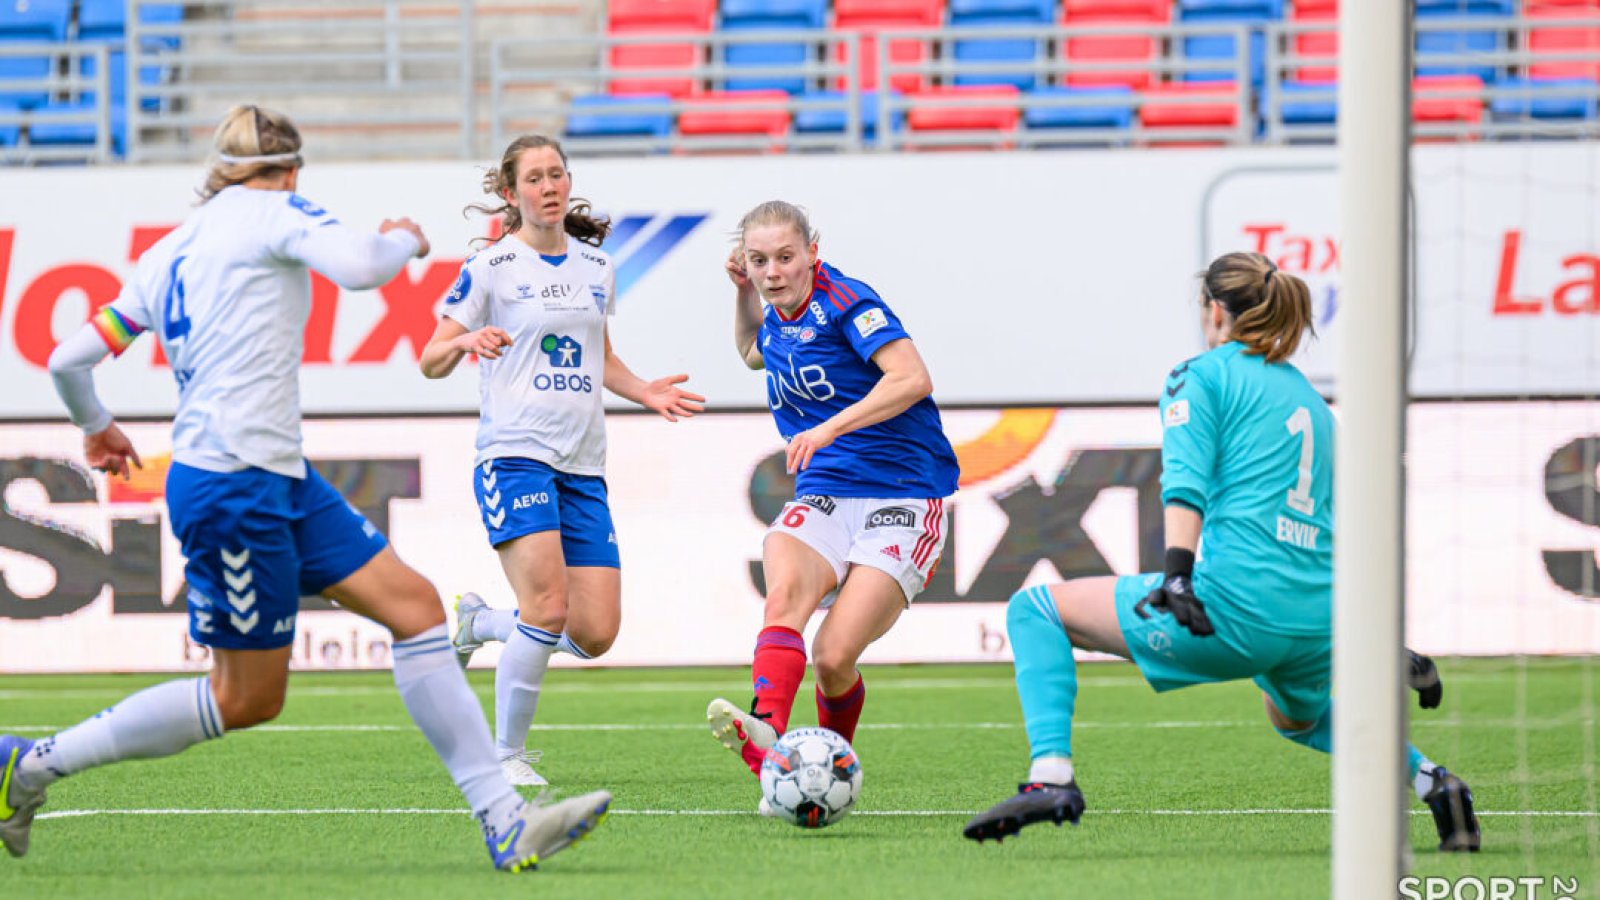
255 542
519 496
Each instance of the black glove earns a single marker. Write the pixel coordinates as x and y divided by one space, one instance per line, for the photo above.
1424 679
1176 595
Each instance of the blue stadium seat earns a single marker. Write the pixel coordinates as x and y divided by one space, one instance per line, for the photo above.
771 15
1295 109
835 121
1221 47
1001 14
593 116
9 132
1430 42
31 22
1527 103
43 132
1117 112
106 21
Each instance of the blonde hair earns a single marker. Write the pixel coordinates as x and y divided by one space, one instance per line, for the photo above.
578 222
1271 309
778 212
251 142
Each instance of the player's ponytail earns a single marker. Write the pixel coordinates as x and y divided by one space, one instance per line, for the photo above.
579 223
251 143
1271 309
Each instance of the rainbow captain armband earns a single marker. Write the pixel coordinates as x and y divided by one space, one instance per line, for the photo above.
117 330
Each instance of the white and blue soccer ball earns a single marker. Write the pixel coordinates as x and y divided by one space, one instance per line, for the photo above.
811 777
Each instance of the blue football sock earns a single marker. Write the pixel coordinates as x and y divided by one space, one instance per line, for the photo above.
1047 675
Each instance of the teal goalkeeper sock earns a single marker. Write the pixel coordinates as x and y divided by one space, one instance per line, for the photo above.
1047 675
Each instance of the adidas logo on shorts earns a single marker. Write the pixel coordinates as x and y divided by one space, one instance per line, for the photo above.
892 551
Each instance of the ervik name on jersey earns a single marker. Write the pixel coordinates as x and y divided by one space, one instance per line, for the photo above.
820 362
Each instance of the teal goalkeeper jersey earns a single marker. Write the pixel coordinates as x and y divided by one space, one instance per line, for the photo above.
1250 445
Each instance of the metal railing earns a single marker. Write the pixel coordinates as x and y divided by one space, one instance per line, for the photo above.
63 115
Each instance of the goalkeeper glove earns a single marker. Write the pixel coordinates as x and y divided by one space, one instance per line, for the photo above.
1176 595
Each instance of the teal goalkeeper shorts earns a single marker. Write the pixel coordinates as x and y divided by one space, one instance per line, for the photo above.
1296 671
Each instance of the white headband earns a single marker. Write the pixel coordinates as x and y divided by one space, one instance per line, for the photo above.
268 158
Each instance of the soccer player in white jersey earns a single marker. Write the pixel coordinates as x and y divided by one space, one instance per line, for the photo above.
850 394
533 308
227 294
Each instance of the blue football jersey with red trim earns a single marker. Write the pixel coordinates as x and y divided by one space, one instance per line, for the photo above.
820 362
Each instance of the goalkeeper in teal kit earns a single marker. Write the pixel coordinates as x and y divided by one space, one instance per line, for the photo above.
1247 480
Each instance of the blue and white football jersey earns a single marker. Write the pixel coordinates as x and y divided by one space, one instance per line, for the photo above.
1250 445
820 362
541 399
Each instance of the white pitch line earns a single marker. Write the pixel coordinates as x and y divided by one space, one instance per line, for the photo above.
686 726
81 813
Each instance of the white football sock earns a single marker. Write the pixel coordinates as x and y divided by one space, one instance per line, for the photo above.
494 625
158 721
1423 783
1051 770
565 645
442 704
516 685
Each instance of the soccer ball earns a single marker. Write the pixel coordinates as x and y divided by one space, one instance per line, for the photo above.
811 777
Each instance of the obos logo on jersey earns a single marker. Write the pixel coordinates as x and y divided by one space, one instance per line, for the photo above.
564 353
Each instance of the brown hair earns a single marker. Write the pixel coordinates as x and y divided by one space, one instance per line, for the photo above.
249 131
579 223
1271 309
778 212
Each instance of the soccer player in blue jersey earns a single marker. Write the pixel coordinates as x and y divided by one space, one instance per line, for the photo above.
534 309
851 396
1247 477
227 294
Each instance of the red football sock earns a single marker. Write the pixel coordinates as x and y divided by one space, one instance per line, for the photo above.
779 667
841 713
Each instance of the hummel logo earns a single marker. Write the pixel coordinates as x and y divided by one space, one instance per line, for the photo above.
1173 391
245 624
236 560
1179 370
489 483
242 602
495 519
492 500
238 582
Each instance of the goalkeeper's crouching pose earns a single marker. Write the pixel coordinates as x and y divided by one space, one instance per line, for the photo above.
1247 454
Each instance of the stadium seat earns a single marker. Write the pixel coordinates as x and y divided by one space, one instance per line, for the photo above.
106 21
1428 108
706 114
1316 45
596 116
1565 40
1114 111
629 18
1138 50
1022 52
868 17
1253 13
1222 113
1307 103
771 15
31 22
9 131
836 121
1003 116
1435 42
1530 99
42 131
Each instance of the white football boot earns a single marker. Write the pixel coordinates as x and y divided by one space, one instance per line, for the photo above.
519 768
468 606
542 828
734 727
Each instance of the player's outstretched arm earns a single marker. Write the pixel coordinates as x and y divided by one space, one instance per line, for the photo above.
905 382
363 260
72 364
451 341
746 311
662 396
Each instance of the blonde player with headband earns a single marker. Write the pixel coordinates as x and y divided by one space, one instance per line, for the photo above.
227 294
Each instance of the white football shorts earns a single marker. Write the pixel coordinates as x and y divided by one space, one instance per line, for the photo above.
903 538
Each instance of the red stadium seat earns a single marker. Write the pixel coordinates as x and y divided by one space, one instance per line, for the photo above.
1565 39
633 17
1316 44
868 17
1224 113
1425 108
1003 116
1136 49
707 114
